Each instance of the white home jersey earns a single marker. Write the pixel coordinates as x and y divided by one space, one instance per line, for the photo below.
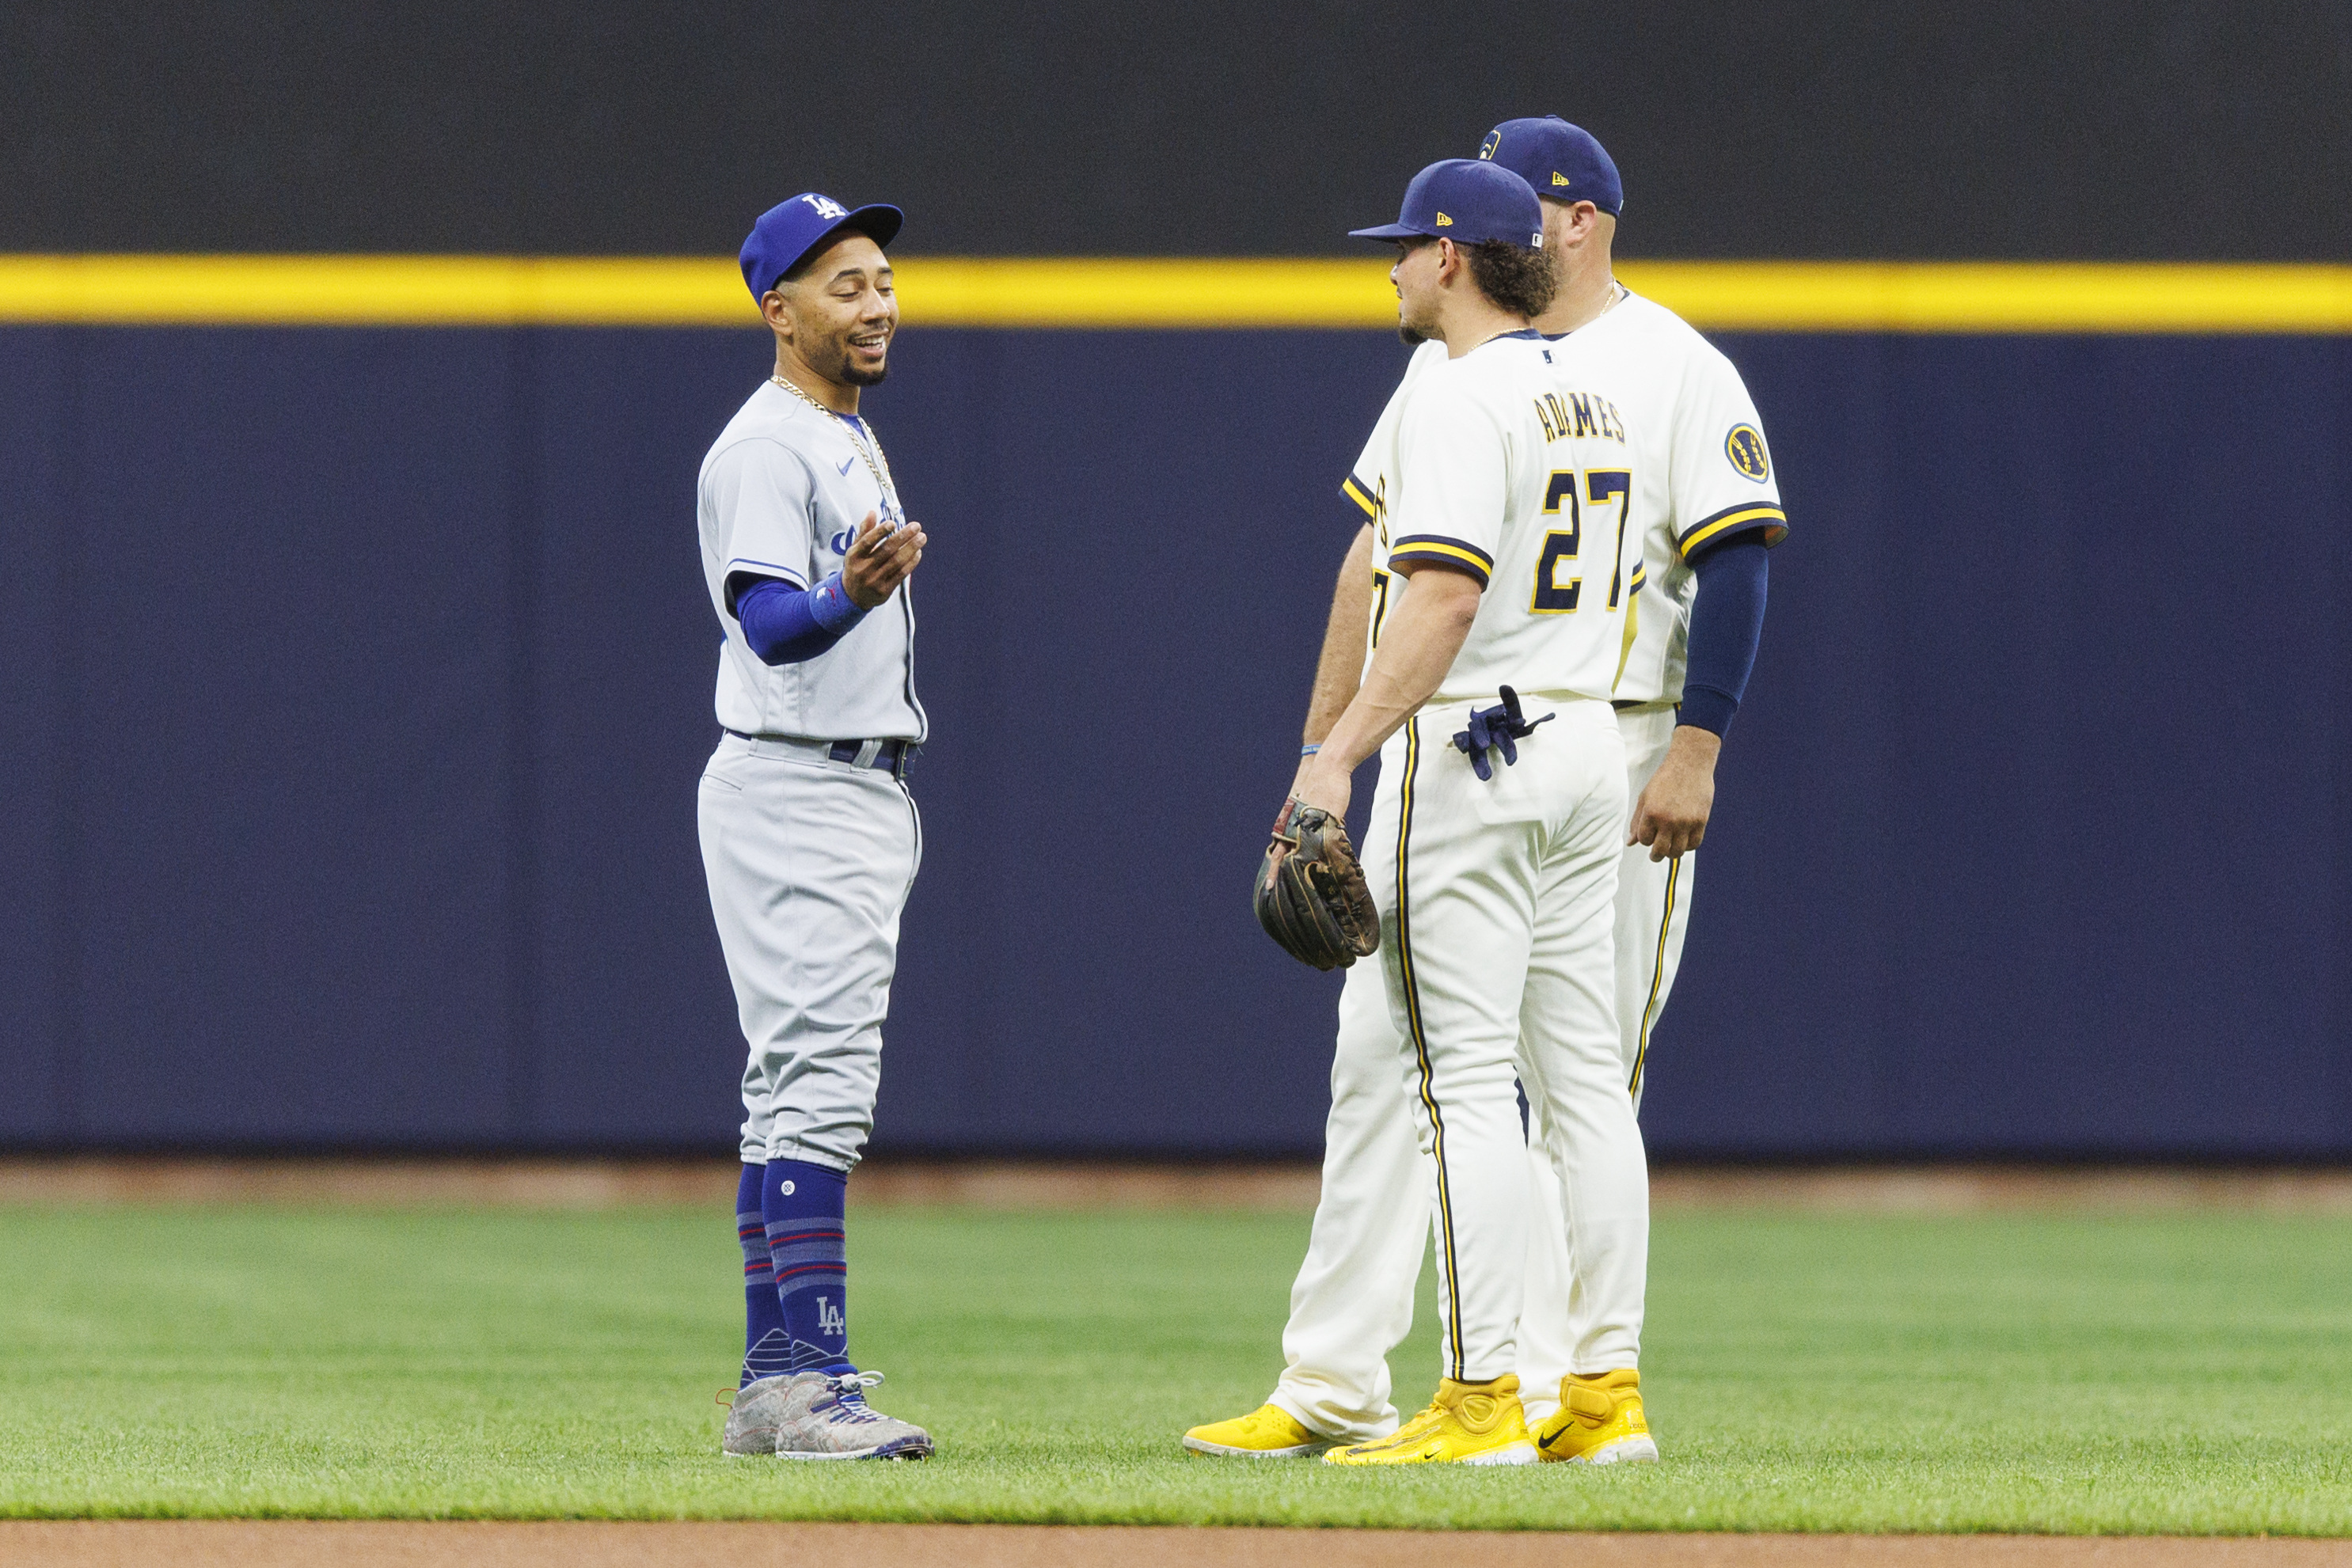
1701 472
1505 464
1363 485
780 493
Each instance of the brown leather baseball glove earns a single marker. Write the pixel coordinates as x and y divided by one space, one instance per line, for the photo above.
1311 895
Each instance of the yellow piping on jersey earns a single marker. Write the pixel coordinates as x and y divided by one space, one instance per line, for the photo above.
1633 629
1355 493
1746 515
1421 549
1183 292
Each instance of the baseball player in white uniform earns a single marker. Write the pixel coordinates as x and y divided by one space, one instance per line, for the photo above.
1697 496
810 839
1495 834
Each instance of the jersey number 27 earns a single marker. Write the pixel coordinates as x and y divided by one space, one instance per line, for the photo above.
1558 588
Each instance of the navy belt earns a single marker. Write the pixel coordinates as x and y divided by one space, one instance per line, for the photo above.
892 754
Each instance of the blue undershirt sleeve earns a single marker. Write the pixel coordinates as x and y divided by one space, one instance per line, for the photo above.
787 625
1726 623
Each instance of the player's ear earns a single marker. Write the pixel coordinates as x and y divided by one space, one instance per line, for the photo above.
777 310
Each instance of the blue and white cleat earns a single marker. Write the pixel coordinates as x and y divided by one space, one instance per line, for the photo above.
818 1416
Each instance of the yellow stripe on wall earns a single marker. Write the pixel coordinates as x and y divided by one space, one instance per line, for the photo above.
1188 292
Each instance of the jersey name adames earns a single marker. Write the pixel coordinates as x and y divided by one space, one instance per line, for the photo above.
781 495
1700 470
1503 466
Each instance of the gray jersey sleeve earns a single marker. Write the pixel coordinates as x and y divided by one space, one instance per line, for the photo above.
762 499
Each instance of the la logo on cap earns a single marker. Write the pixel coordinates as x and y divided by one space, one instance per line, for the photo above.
1558 178
826 207
1443 222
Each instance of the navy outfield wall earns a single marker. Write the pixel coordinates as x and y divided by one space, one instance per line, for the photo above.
357 682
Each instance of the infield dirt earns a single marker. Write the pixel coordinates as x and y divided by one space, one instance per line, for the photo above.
577 1183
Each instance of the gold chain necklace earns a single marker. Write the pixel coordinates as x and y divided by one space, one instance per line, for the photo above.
878 462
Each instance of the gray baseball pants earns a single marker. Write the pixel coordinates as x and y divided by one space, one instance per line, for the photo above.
809 862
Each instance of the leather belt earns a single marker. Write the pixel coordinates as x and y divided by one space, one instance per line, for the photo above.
893 755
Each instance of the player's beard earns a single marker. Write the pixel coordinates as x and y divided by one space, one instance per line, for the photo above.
852 375
1415 332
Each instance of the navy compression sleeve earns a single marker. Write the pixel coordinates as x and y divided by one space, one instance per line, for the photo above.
787 625
1726 621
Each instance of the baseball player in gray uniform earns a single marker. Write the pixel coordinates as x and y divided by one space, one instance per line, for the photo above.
810 839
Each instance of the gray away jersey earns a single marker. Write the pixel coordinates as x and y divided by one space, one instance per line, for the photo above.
780 493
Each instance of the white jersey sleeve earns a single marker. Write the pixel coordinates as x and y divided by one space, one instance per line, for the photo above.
1721 471
1364 483
761 496
1454 465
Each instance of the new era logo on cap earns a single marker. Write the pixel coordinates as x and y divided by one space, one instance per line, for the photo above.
1543 150
1482 202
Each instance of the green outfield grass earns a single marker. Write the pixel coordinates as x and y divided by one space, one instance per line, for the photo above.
2179 1374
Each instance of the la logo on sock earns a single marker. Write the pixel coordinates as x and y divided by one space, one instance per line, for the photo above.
829 1320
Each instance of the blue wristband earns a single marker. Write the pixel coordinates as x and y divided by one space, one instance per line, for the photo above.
1309 750
831 607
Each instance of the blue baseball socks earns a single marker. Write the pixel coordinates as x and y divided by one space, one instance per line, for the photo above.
765 1342
789 1218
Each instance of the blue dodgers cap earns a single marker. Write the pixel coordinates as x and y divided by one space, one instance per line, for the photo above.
1559 159
1468 201
788 231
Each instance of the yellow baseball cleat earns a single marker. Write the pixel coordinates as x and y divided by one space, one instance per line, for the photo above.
1599 1421
1466 1423
1268 1432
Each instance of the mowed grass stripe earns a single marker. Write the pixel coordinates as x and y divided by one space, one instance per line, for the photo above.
2175 1374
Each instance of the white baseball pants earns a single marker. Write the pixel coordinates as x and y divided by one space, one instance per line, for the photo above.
1498 901
809 862
1352 1300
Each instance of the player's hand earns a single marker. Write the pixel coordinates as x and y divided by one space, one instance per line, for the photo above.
1324 784
879 560
1671 816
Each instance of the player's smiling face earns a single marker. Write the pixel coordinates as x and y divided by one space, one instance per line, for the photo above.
839 315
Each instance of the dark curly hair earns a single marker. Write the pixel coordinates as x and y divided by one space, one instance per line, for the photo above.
1516 278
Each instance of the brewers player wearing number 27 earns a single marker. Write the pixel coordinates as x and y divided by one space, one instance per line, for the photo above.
1495 873
810 839
1696 488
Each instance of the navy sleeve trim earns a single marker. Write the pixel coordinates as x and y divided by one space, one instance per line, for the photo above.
1459 554
1747 518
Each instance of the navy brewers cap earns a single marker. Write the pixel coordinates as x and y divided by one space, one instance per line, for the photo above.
1559 159
787 232
1468 201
